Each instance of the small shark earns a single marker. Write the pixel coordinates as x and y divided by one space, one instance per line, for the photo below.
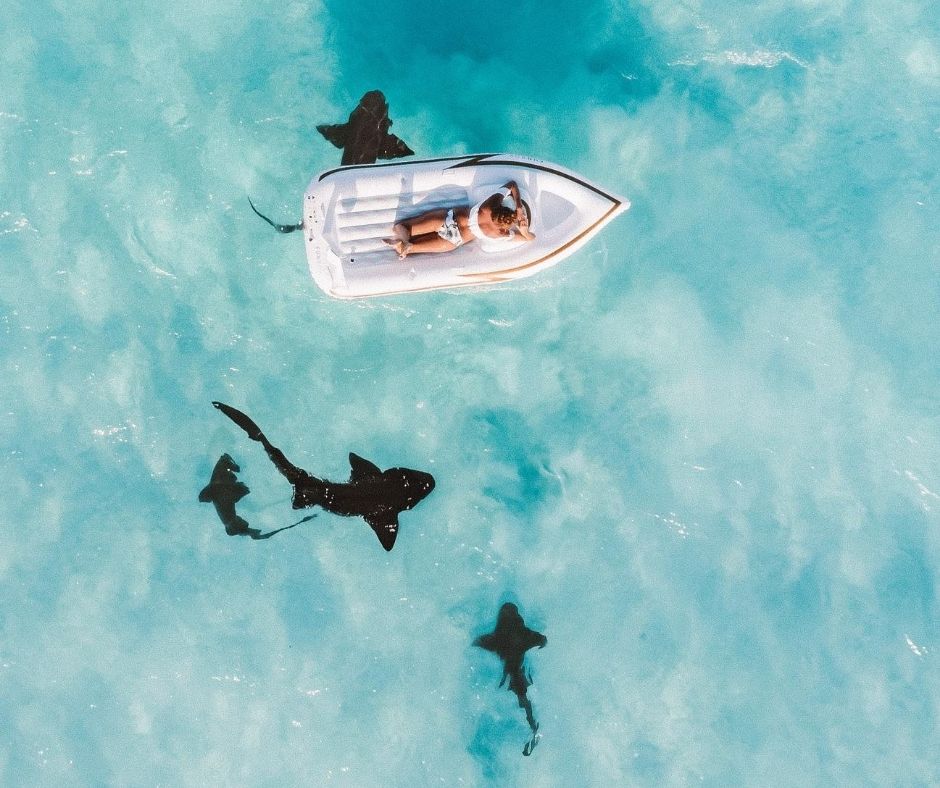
224 490
375 495
510 641
364 138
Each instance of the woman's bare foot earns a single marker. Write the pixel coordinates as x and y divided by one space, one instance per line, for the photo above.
401 247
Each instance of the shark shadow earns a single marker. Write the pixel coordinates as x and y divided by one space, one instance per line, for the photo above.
510 641
375 495
224 491
364 139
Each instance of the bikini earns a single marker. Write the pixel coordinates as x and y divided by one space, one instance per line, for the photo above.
449 231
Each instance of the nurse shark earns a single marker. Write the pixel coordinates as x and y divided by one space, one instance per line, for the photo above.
364 139
510 641
375 495
224 491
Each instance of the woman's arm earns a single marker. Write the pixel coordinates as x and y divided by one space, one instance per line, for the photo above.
513 191
522 219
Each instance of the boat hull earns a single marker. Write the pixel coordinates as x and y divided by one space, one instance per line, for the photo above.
350 210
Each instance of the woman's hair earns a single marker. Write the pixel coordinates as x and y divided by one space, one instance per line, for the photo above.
503 216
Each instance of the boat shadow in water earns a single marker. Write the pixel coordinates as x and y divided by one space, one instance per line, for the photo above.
510 641
224 491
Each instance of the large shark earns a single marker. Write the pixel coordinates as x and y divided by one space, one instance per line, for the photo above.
510 641
364 138
375 495
224 491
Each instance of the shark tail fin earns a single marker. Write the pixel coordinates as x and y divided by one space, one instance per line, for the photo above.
530 745
253 430
281 228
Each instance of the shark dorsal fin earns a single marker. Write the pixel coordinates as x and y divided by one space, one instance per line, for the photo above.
362 469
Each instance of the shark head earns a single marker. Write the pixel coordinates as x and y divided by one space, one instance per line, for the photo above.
226 463
223 477
509 619
414 486
388 493
374 103
370 114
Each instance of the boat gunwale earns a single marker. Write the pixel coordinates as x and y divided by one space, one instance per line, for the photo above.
482 160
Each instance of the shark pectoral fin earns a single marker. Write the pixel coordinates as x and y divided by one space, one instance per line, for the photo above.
534 639
362 469
385 527
206 495
239 491
337 134
393 147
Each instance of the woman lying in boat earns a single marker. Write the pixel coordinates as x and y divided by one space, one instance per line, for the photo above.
445 229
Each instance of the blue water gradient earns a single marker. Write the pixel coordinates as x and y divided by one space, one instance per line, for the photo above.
702 455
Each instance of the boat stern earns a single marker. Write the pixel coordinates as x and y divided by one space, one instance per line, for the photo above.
325 266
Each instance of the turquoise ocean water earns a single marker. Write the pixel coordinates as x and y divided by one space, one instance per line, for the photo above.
702 455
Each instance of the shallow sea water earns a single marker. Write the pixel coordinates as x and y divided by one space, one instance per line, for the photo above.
702 455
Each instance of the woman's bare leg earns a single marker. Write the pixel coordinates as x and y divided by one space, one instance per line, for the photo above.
421 225
407 231
426 244
418 235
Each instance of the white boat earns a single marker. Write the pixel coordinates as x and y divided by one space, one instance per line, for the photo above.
350 210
